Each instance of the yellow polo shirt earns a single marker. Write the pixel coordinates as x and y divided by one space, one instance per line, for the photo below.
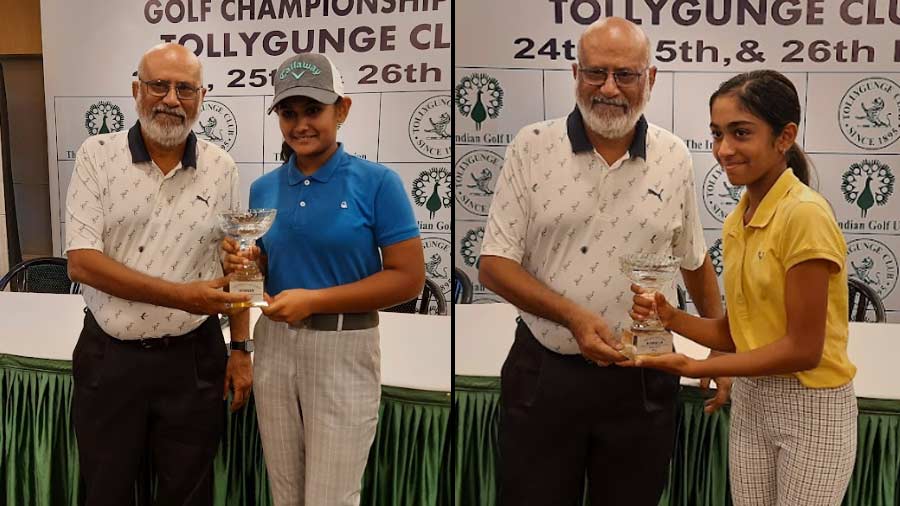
793 224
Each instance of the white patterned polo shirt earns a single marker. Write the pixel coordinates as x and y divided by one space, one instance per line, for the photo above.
120 203
567 216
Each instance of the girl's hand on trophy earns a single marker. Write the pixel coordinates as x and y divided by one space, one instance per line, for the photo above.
233 258
645 304
290 305
672 363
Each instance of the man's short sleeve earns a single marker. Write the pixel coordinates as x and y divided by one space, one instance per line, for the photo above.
84 205
507 222
689 243
394 217
809 233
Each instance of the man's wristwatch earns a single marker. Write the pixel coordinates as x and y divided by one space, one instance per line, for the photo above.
242 345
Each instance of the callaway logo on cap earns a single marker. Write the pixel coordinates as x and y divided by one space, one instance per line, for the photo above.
308 75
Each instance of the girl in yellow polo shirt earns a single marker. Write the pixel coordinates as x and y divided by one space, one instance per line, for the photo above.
793 418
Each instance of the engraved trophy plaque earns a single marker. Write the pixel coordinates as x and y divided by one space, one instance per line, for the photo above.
652 273
246 227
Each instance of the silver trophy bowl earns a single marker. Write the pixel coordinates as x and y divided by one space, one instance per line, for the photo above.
651 272
246 227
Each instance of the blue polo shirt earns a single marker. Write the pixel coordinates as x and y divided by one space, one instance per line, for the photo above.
330 225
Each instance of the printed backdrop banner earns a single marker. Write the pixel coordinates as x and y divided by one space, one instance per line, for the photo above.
842 55
394 56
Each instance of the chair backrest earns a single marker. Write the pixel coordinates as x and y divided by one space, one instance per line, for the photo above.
462 287
862 299
682 297
421 304
40 275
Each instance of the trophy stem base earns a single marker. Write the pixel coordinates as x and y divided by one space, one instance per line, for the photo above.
251 287
251 303
647 342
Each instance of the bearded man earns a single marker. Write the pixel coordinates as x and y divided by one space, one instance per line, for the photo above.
574 195
150 367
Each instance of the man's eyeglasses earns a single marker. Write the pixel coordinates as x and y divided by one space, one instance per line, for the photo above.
597 77
183 91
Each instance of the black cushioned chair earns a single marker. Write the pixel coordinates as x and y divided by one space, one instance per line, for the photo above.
40 275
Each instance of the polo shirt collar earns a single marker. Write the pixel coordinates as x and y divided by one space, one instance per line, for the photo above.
140 154
769 204
323 174
580 142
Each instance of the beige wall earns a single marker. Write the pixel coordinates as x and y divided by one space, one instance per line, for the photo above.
20 27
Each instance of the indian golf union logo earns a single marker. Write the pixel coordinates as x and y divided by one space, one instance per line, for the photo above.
715 254
479 97
429 127
216 124
437 263
470 246
431 190
866 184
868 113
719 196
104 117
873 263
476 176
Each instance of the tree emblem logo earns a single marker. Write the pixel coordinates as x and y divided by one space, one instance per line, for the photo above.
432 190
715 254
868 113
470 246
104 117
479 97
867 184
216 124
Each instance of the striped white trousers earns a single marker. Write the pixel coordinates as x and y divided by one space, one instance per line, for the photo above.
790 445
317 395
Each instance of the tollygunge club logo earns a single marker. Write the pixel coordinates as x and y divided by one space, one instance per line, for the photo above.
868 113
719 196
873 263
429 127
216 124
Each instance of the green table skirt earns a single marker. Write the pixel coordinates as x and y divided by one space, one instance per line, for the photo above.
698 475
409 463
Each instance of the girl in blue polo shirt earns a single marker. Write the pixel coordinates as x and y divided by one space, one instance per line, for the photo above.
344 244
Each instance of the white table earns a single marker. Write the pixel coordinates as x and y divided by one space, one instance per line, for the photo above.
415 349
485 332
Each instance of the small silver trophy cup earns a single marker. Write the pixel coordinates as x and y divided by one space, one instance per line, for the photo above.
246 227
652 273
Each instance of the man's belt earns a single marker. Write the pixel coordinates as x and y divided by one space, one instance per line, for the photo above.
330 321
150 342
